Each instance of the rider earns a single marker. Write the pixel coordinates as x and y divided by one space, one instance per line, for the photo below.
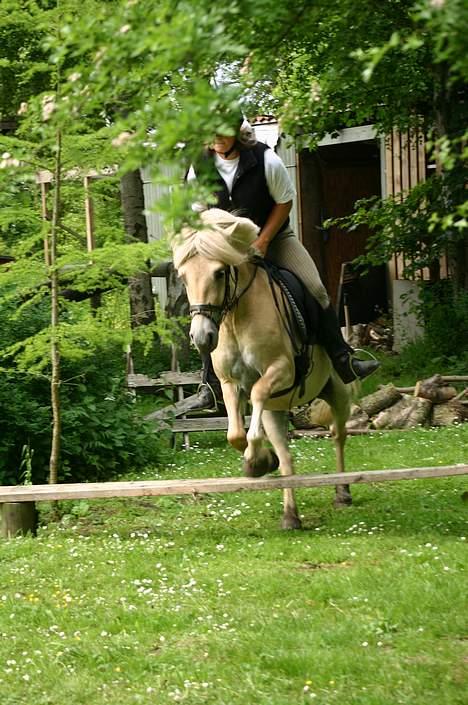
252 180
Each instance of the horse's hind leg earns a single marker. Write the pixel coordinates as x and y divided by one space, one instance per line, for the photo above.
275 424
337 396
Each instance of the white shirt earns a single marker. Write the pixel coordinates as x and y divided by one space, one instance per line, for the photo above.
279 184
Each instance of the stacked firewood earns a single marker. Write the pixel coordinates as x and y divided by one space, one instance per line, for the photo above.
434 401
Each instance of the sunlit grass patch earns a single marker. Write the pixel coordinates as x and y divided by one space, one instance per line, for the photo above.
205 600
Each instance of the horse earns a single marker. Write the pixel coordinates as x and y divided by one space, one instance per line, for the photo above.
235 319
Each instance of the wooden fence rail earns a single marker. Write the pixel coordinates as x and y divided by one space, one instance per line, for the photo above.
145 488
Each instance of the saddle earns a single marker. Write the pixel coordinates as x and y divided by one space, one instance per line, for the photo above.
302 316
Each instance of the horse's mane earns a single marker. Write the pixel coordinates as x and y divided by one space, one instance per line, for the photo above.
227 238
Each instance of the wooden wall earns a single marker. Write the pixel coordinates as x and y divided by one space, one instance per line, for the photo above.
405 167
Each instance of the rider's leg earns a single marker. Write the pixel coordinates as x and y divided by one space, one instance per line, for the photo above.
286 251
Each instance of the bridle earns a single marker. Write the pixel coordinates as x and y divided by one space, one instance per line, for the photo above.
216 312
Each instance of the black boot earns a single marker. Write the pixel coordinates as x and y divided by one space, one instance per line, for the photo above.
209 396
204 400
340 353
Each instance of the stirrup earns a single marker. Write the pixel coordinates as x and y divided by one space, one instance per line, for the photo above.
213 407
372 359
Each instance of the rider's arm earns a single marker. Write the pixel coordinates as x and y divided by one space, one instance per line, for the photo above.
275 220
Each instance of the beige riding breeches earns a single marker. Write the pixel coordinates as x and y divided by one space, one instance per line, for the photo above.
286 251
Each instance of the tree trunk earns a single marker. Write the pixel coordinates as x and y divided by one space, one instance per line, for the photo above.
54 304
17 519
381 399
141 295
178 306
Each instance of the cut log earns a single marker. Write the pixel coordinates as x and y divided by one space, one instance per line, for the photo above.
434 389
317 413
419 413
406 413
358 421
18 519
449 413
384 397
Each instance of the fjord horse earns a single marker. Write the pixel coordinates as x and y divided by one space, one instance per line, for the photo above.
235 319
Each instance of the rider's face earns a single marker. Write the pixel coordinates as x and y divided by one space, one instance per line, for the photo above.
222 144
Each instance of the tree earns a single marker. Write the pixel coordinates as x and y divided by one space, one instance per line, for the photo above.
391 63
58 144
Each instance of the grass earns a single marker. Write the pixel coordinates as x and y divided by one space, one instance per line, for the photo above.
205 600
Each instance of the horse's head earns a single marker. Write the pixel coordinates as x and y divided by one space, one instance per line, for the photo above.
205 260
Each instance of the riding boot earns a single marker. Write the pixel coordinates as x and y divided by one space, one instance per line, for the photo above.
340 353
209 394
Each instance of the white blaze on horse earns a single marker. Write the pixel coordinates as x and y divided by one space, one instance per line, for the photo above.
235 319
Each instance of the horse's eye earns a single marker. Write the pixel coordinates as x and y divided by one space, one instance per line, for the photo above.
220 273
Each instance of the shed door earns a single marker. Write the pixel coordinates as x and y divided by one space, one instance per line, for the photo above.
332 179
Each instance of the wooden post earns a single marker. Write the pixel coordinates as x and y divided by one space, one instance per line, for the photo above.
17 519
90 239
175 367
45 216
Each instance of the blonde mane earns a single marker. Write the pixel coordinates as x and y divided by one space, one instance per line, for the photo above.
227 238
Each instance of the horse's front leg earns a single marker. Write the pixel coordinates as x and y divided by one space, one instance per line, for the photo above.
236 431
275 424
257 459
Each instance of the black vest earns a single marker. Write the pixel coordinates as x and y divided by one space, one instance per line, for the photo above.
250 196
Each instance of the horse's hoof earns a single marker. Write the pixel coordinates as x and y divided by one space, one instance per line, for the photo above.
343 502
255 469
291 523
261 465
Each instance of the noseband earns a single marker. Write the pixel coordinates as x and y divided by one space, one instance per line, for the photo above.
217 312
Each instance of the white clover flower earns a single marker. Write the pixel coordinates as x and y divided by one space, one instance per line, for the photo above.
48 106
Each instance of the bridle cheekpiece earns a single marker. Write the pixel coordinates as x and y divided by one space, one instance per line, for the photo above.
216 312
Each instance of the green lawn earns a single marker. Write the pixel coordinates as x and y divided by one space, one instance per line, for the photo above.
206 600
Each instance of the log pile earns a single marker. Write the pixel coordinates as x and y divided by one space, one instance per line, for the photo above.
431 402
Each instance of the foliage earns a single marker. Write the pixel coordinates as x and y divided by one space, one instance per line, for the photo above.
170 599
102 431
392 64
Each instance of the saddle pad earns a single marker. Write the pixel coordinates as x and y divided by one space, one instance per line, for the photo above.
306 309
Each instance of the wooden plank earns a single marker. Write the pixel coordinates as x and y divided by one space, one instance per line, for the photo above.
389 165
156 488
405 167
396 162
167 413
209 423
349 134
166 379
413 158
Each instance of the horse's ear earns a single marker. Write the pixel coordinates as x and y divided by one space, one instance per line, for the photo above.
243 231
234 228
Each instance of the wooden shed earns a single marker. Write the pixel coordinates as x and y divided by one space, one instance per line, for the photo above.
347 165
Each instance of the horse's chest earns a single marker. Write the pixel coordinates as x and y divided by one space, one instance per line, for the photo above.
239 365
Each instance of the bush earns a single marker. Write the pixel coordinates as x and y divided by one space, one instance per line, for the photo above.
102 432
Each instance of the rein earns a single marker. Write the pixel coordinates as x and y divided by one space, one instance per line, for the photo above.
217 312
